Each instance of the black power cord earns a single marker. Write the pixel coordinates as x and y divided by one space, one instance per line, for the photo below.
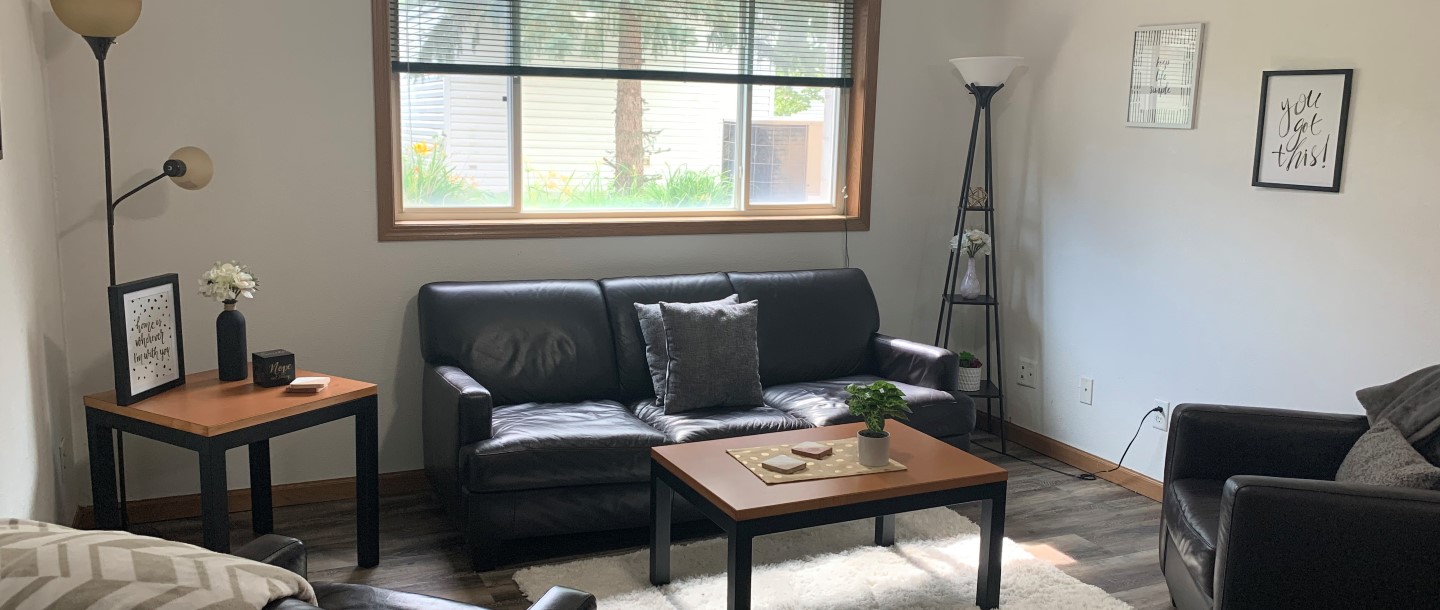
1084 476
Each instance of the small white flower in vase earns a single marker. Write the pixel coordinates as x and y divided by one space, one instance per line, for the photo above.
973 242
227 283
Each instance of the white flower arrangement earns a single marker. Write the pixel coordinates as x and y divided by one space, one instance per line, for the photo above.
973 242
226 282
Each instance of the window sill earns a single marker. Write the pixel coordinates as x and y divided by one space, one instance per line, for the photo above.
599 227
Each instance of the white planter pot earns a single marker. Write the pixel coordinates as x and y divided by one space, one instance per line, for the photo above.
874 450
970 379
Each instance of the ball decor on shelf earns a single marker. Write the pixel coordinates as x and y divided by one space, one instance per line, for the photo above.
228 283
977 198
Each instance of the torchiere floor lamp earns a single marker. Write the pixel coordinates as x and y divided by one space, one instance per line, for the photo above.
100 22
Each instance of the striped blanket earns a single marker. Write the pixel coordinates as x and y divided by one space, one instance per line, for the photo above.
49 566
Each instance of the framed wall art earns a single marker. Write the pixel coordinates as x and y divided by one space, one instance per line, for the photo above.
1164 75
145 338
1300 142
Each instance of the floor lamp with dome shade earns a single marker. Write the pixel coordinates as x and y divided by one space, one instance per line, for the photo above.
100 22
984 77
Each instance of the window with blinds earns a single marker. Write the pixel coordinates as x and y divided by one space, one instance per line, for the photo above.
624 110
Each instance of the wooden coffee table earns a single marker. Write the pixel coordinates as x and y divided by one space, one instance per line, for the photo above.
736 500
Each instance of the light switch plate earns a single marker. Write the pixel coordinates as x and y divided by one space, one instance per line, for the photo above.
1087 391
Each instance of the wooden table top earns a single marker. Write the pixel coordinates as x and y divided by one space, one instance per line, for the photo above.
206 406
932 465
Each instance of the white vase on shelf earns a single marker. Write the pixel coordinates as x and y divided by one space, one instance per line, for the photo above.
970 286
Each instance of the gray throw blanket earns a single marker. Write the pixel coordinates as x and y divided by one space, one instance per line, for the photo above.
1412 405
50 566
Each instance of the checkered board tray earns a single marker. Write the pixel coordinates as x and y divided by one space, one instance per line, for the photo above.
845 462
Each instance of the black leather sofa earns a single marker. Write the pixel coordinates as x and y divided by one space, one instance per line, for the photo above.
289 553
538 408
1253 518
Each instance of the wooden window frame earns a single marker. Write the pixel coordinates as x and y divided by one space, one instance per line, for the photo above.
859 156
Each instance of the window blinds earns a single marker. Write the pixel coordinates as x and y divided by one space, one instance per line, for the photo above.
765 42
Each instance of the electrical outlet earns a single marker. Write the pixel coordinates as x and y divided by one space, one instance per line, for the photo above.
1029 372
1161 421
1087 391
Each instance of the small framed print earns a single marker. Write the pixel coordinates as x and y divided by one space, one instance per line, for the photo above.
1164 75
1300 142
145 339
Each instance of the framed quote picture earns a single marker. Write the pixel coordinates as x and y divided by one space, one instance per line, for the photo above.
1300 143
145 339
1164 75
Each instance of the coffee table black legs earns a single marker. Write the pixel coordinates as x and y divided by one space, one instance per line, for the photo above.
885 530
992 539
738 567
661 499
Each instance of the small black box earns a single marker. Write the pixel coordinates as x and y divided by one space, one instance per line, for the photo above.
272 368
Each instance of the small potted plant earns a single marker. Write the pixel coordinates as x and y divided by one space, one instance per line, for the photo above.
874 403
969 372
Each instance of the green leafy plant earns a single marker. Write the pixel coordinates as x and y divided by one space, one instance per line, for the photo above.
875 402
429 179
969 361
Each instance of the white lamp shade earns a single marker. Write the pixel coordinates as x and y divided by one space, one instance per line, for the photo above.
198 168
97 18
987 71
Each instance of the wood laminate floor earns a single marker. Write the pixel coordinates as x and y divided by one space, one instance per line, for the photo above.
1096 531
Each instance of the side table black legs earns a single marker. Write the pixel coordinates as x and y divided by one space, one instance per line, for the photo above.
214 494
103 485
262 507
214 501
367 482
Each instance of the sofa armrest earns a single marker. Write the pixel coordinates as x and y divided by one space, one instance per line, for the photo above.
1217 442
564 598
916 363
279 551
1297 543
456 408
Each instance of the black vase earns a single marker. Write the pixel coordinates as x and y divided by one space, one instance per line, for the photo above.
230 343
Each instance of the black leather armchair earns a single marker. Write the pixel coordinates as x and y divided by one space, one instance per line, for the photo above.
289 553
1253 518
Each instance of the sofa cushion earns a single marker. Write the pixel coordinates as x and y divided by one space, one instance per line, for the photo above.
543 341
813 324
718 422
713 358
657 344
540 445
1192 518
621 295
1383 457
822 403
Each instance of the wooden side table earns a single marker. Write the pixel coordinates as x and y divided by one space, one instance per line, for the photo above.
209 416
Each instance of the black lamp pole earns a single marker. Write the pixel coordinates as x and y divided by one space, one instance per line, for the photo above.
983 95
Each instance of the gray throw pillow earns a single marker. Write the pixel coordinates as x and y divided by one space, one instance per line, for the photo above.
1382 456
657 355
714 355
1411 403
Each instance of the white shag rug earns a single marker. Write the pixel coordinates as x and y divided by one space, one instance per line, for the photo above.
834 567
